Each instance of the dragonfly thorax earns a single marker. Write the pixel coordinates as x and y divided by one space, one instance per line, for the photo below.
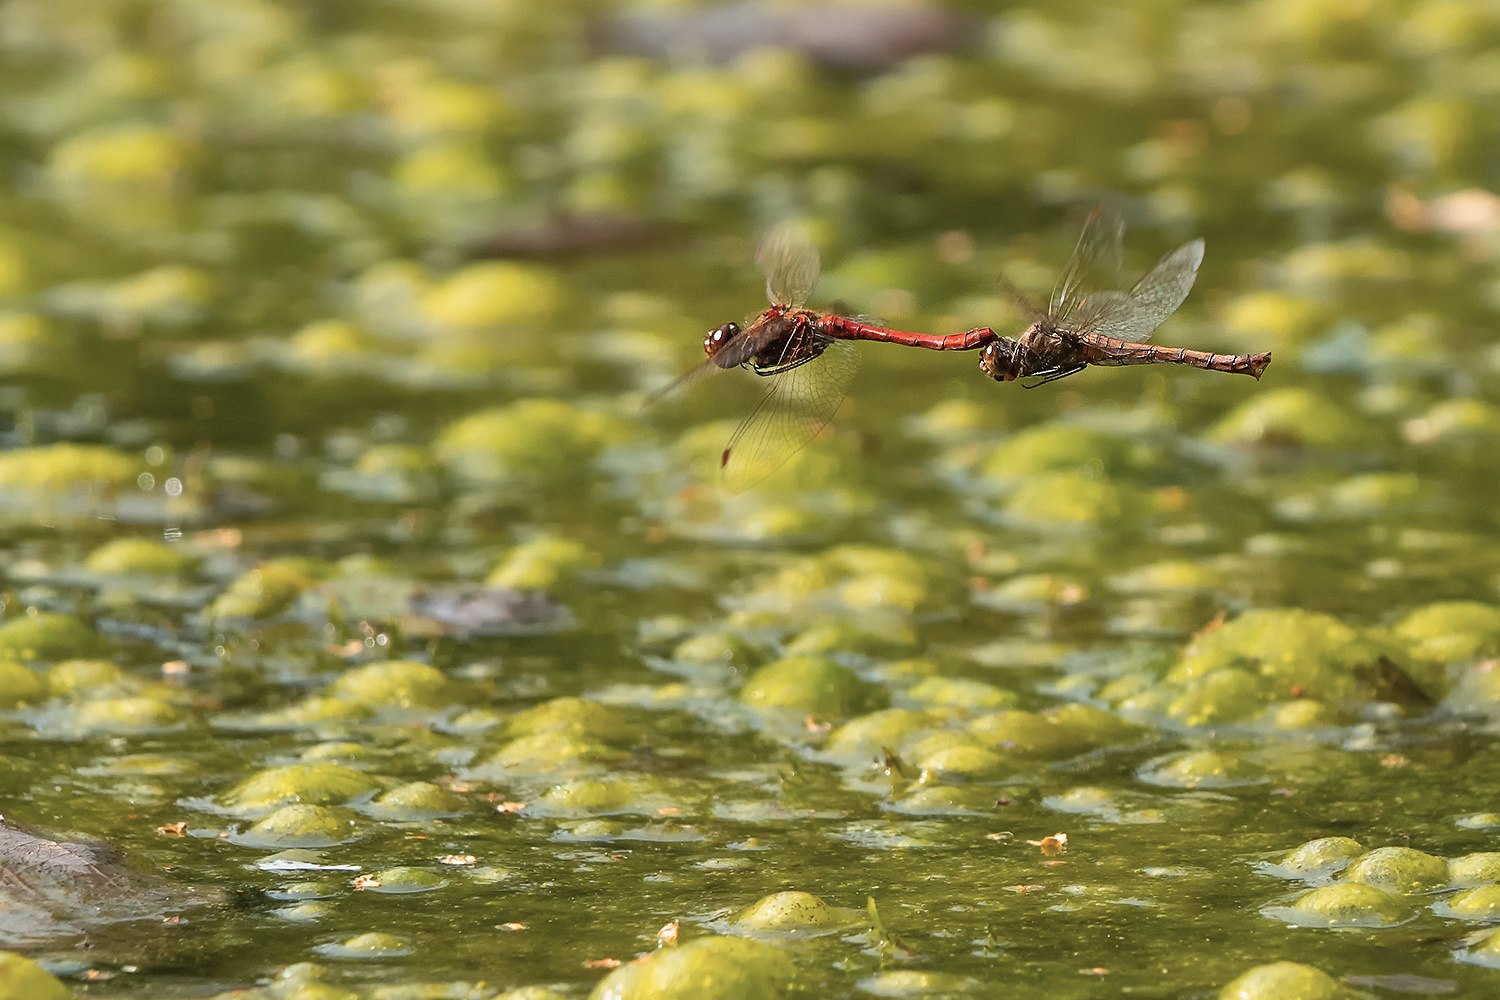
1001 360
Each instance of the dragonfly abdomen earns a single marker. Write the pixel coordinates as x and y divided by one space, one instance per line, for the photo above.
842 328
1109 351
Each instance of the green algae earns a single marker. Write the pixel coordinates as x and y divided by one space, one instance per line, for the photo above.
1323 854
394 684
298 825
794 913
731 968
1399 870
128 556
48 637
324 309
541 564
19 686
263 592
1345 904
811 684
415 801
311 784
403 880
1283 981
23 979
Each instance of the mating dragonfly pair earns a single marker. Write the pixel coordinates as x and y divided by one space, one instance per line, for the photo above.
810 357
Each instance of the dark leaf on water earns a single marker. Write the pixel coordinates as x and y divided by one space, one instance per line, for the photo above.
488 612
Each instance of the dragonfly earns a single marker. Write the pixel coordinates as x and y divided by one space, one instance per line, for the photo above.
808 356
1083 326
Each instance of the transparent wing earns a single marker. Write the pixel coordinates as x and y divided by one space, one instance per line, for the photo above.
1095 263
681 382
1155 297
799 403
790 262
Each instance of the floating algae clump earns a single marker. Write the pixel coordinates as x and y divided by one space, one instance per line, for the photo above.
317 784
531 440
136 556
1344 904
863 738
1451 631
1299 653
299 826
19 686
405 879
1064 499
495 293
372 945
547 753
47 637
1063 731
811 684
1057 447
23 979
1199 769
542 564
1323 854
957 754
1399 870
1289 417
1474 869
574 716
54 470
1284 981
960 692
416 800
1480 903
263 592
394 684
140 714
724 968
794 912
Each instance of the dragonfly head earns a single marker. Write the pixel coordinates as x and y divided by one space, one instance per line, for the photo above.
717 339
1000 361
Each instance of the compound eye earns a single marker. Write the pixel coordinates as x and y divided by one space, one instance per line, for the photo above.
727 332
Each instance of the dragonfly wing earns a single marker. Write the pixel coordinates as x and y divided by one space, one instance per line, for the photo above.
681 382
799 403
1155 297
1109 313
790 262
1162 290
1095 262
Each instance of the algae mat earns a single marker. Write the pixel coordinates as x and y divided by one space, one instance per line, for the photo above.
351 596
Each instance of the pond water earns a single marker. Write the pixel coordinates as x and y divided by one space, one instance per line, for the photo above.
351 593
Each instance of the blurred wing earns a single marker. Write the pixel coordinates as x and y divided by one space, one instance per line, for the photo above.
681 382
1095 262
790 262
799 404
1136 316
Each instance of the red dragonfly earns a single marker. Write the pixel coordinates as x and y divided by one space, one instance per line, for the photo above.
1082 327
807 355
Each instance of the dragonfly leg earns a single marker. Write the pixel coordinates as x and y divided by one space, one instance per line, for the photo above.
1053 374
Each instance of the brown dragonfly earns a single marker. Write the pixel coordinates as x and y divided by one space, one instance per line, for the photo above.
809 357
1084 326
